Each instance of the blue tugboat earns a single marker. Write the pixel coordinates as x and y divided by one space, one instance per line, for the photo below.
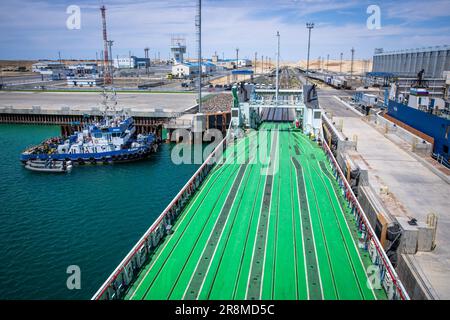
113 139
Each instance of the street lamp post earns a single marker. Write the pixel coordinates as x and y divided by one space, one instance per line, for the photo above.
198 24
277 85
309 25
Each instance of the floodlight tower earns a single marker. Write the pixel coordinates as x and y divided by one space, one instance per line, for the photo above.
198 24
277 85
310 26
147 59
351 66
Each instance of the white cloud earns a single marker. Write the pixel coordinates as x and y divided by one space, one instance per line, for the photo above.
417 11
36 29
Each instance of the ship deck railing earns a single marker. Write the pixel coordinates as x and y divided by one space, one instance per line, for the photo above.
388 276
115 287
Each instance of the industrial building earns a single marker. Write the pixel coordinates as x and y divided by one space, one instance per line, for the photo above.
84 82
55 70
231 63
190 69
408 63
131 62
84 75
404 66
43 66
83 70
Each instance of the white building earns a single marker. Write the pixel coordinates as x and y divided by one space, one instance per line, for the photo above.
123 63
186 70
45 66
55 70
84 75
132 62
231 63
84 82
83 69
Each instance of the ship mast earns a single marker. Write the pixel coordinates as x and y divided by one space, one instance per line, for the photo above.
107 79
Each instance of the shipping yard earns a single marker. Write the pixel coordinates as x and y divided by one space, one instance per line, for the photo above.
325 178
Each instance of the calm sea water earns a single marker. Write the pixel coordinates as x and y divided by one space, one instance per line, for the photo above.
91 217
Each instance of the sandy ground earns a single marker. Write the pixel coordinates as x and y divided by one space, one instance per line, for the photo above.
359 66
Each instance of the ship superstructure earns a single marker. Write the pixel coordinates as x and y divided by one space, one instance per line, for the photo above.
112 139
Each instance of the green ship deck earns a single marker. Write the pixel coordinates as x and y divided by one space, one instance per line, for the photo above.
246 234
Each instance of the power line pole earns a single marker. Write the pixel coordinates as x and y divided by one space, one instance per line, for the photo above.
147 60
340 65
309 25
328 61
198 24
237 58
256 57
353 59
262 64
277 85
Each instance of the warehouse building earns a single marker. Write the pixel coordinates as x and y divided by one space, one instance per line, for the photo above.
231 63
84 75
51 69
405 65
131 62
189 69
408 63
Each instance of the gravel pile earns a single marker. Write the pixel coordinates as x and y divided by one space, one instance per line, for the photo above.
221 102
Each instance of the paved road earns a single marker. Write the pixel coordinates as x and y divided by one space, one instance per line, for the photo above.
329 103
326 97
86 100
415 191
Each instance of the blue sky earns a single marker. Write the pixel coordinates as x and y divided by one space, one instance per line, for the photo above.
36 29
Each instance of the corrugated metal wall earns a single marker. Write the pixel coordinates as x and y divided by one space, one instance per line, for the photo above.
409 62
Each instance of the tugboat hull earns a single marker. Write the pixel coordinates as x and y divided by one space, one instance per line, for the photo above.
126 155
